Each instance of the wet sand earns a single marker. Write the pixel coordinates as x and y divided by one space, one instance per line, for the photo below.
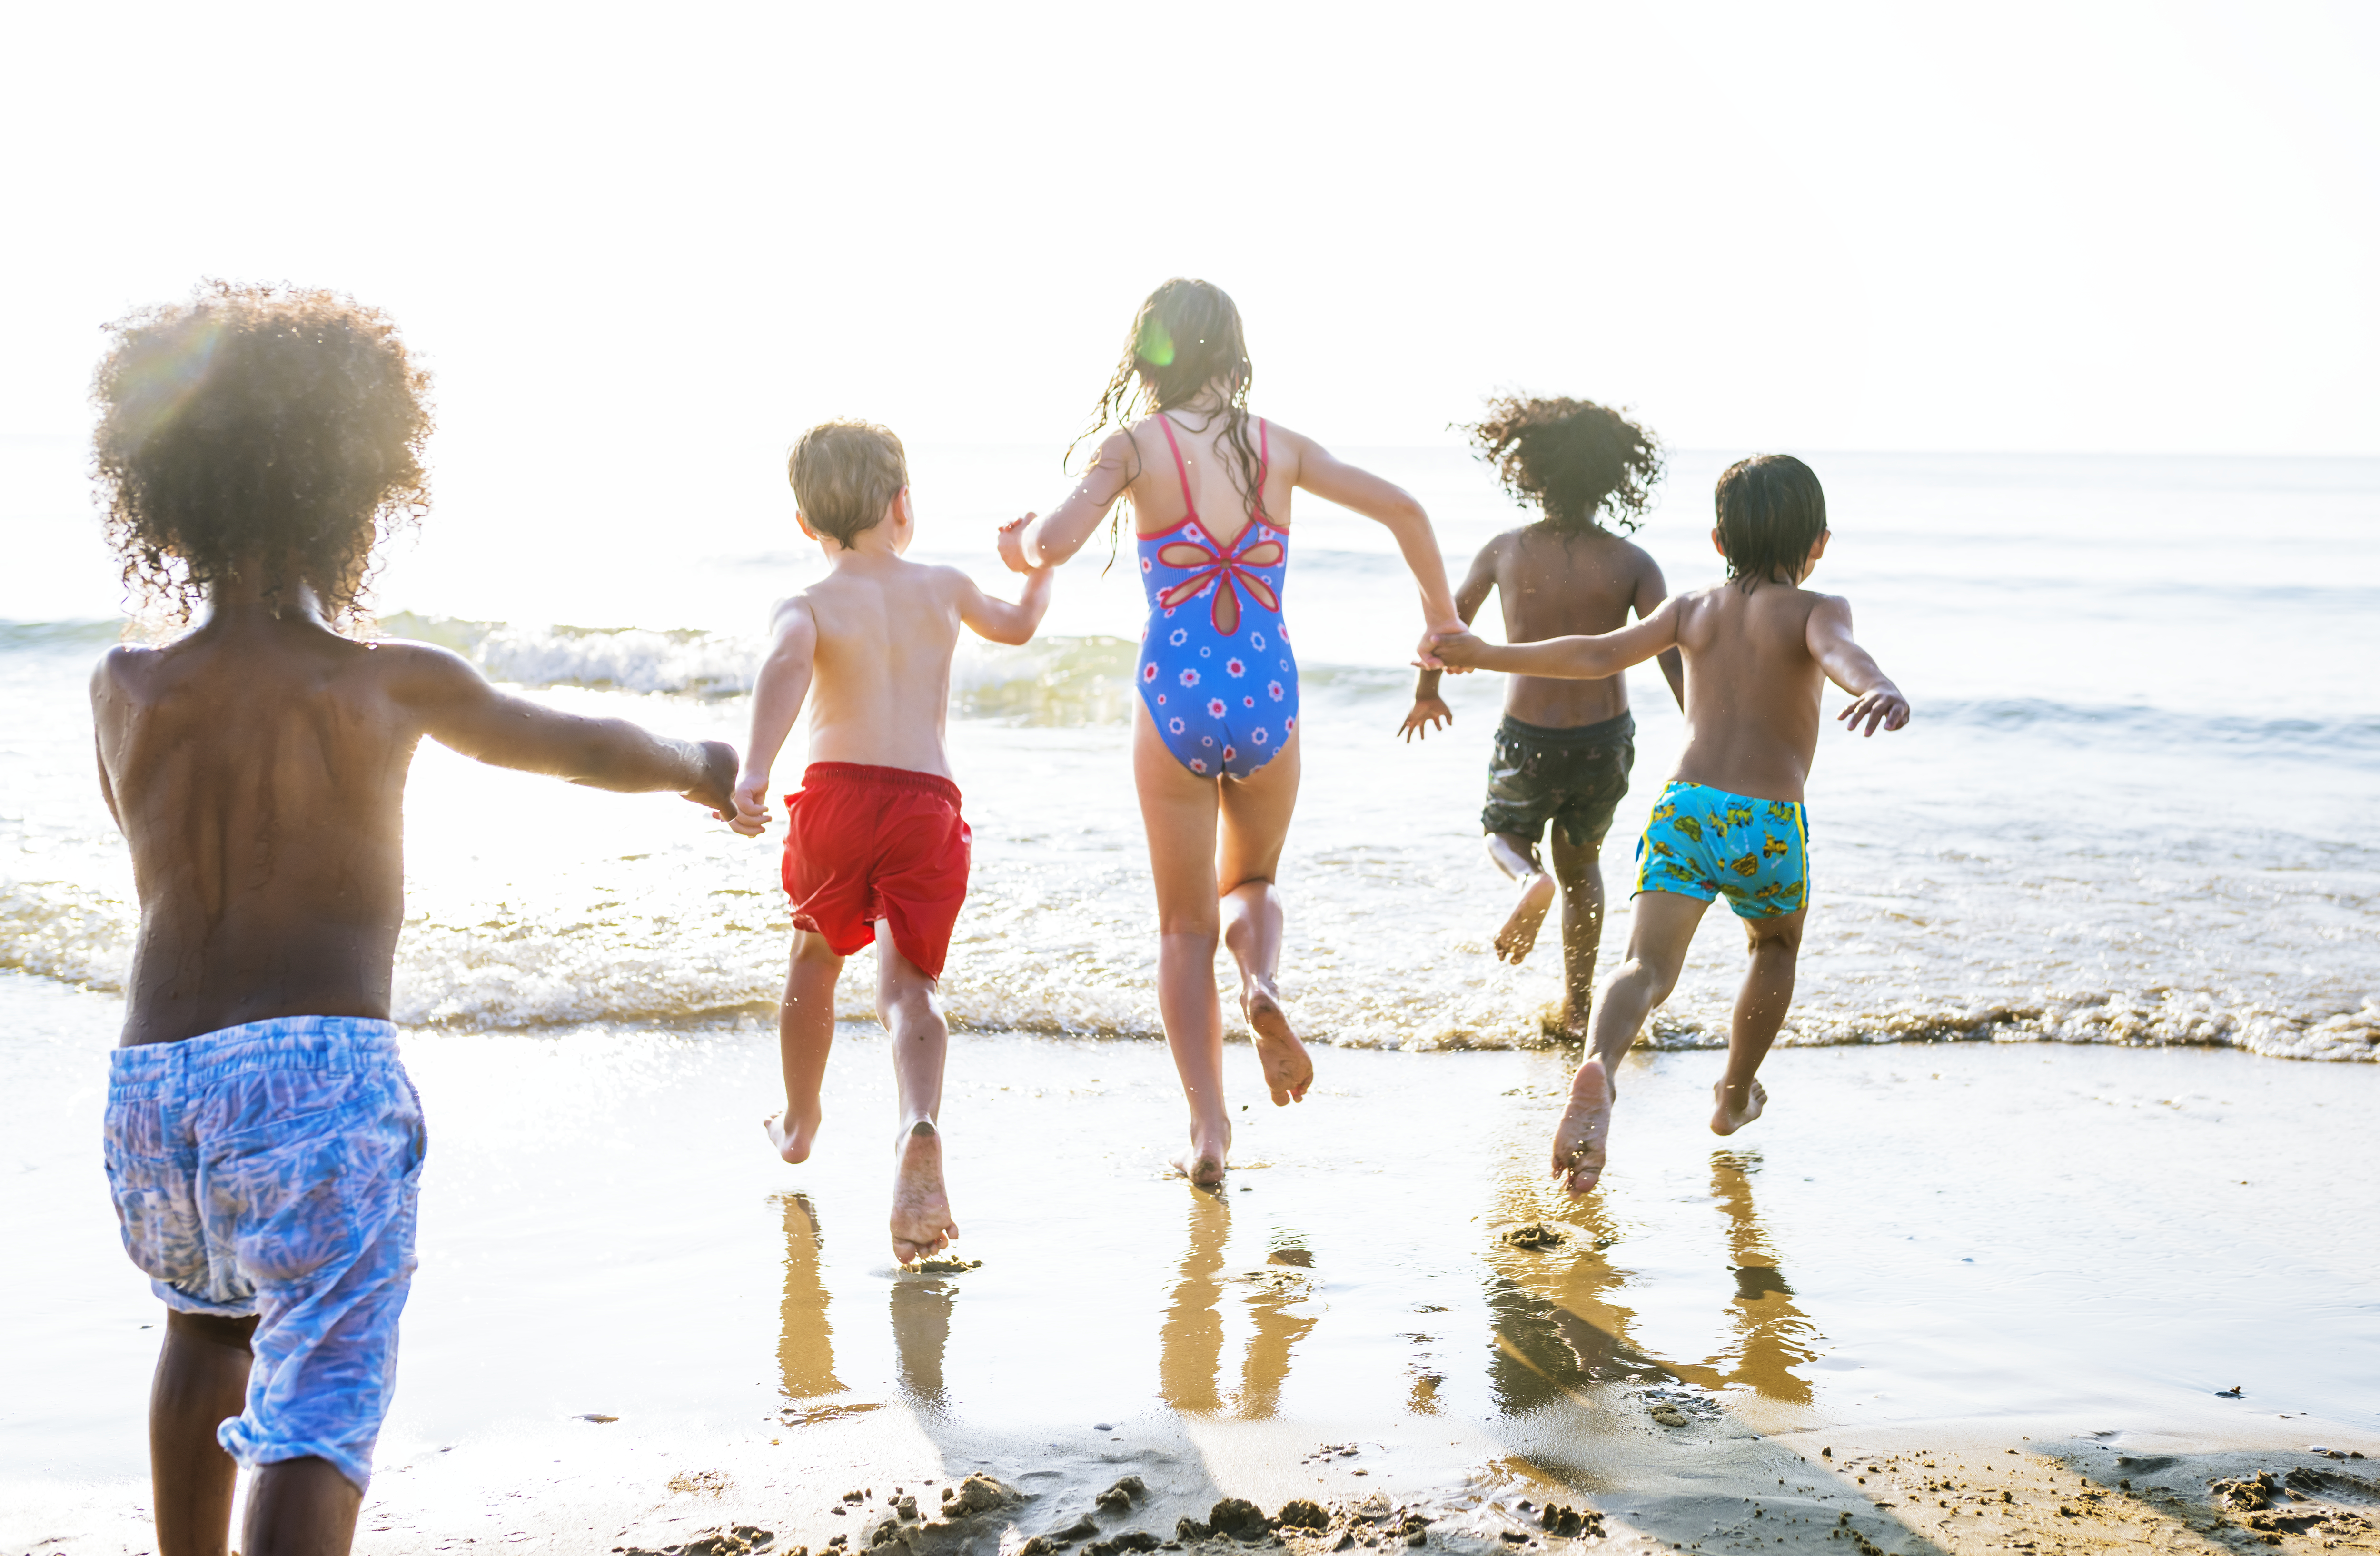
1956 1271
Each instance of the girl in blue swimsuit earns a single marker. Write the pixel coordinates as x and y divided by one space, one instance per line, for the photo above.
1215 739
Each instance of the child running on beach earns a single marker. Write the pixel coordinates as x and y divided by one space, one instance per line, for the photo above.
1758 649
263 1144
1564 751
874 834
1214 727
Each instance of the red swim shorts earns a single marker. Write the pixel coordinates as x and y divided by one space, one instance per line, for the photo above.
870 843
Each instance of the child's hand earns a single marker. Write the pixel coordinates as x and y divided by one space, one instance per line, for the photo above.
718 776
751 804
1457 651
1012 544
1884 705
1428 713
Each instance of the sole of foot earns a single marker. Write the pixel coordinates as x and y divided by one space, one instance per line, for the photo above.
921 1209
1519 935
1581 1137
1288 1069
793 1147
1726 1123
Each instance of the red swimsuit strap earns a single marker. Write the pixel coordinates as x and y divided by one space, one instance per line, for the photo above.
1264 465
1179 468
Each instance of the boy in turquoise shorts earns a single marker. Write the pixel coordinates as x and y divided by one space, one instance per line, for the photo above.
1758 648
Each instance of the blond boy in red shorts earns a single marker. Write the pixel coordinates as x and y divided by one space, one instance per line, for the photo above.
874 834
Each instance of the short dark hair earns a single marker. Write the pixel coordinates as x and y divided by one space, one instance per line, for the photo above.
1771 511
844 475
1573 458
257 426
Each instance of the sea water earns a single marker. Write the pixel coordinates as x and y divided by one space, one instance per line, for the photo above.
2130 807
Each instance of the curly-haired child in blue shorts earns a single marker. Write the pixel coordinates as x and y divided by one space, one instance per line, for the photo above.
263 1144
1758 648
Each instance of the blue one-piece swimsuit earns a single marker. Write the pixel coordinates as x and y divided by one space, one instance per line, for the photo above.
1216 671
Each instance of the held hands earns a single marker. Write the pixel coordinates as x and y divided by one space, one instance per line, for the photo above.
718 778
1884 705
1458 650
1428 713
750 803
1426 656
1012 544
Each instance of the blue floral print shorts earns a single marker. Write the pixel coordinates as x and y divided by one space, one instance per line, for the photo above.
272 1169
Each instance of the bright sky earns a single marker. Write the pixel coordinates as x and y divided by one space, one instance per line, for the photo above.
642 245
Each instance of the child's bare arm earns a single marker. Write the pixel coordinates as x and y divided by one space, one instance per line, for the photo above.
1395 509
1046 542
458 708
997 619
1874 699
777 696
1571 658
1651 589
1429 711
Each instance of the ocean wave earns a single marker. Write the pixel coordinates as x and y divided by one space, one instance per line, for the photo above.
719 954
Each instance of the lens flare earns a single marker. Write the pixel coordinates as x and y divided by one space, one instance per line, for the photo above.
1156 344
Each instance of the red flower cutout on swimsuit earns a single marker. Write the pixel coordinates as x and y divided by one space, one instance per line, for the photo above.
1223 570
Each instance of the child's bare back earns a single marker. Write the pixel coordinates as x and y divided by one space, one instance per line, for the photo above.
874 834
258 766
1550 584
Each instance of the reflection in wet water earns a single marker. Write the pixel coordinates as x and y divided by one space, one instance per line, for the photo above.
921 1330
1190 1340
1559 1323
805 1338
1774 1335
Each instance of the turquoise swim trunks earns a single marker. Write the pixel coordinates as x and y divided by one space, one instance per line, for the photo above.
1706 843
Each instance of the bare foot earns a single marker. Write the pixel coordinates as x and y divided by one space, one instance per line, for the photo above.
793 1144
1584 1129
921 1211
1519 935
1203 1159
1725 1121
1287 1070
1576 1021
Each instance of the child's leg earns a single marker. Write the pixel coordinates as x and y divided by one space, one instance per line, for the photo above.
1579 867
1658 932
912 1013
805 1035
1517 858
300 1507
1178 807
201 1380
1255 811
1760 1007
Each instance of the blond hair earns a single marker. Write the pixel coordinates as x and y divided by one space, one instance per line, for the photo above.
844 475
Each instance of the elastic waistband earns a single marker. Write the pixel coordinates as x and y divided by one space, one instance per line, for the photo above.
1723 795
285 1042
878 777
1609 732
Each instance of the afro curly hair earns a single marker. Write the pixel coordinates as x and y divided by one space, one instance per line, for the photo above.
257 429
1573 458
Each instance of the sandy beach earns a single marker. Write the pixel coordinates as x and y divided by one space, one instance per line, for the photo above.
1964 1269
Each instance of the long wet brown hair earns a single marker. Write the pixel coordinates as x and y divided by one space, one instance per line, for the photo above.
1185 338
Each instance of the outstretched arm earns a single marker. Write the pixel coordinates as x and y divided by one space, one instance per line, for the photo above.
1651 589
777 694
997 619
1429 709
1571 658
458 708
1390 506
1874 699
1047 542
